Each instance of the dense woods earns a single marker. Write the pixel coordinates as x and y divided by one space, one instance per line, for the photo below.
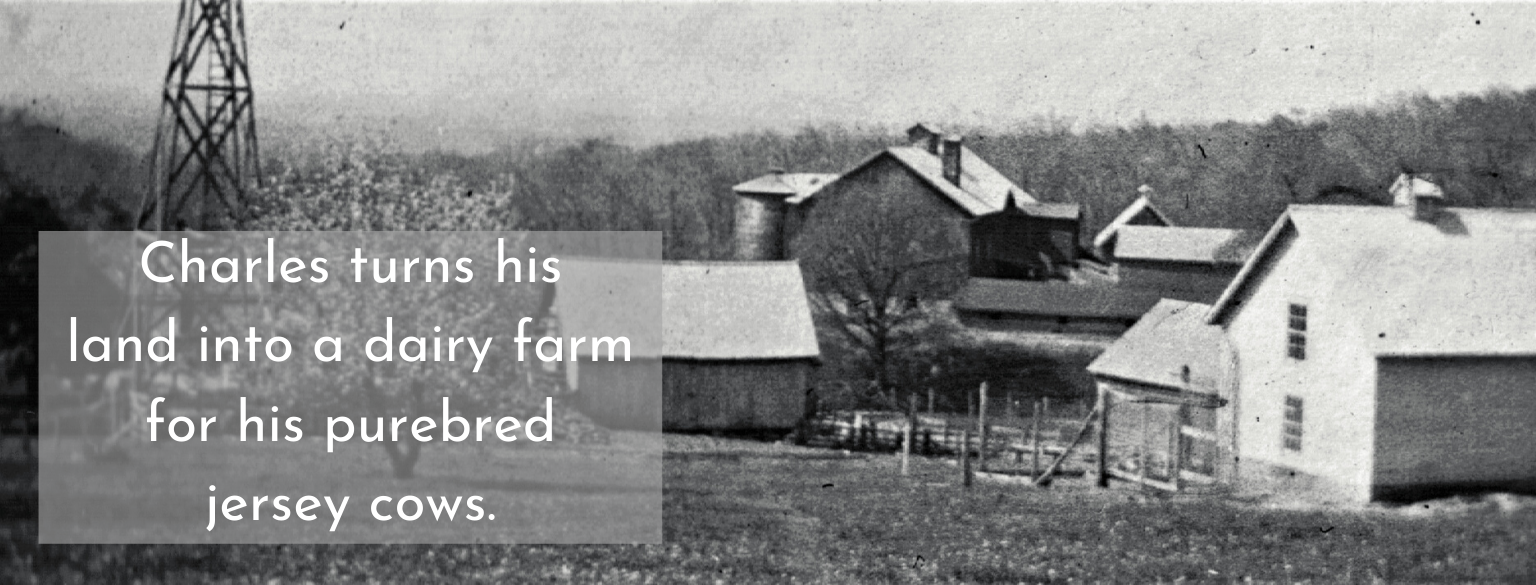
1481 147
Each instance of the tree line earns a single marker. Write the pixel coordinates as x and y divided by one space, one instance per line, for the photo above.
1481 147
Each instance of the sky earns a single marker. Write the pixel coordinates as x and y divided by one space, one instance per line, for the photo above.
471 76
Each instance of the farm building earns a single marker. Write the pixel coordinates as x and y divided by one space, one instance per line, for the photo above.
1386 352
936 178
1139 212
739 345
762 208
1186 263
610 298
1034 241
729 349
1161 396
1051 306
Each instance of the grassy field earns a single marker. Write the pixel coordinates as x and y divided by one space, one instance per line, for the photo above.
549 493
748 512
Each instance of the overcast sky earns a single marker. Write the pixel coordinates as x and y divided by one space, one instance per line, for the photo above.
472 75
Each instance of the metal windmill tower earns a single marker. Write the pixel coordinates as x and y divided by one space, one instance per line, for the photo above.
205 156
204 162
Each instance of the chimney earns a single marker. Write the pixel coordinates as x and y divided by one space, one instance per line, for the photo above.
1419 195
951 159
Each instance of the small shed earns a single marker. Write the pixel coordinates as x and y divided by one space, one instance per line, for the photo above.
1160 389
739 345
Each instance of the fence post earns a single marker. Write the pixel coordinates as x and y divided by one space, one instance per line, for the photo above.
1034 439
906 439
981 428
1141 453
965 457
1176 450
1103 436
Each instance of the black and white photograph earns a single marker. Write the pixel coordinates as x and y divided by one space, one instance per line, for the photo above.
774 291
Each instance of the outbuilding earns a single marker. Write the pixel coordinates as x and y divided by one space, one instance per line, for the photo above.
1160 399
739 346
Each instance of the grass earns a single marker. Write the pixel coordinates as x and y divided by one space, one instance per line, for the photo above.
744 512
551 493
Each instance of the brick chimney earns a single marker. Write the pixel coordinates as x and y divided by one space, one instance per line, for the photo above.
1419 195
951 158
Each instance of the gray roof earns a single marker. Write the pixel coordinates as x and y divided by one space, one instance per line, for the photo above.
1186 244
795 187
1461 286
737 311
1141 206
982 188
1155 351
1053 299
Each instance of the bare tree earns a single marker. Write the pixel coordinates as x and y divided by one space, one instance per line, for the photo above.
874 271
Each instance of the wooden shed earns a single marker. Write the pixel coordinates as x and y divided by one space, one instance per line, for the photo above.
1160 396
1386 352
739 345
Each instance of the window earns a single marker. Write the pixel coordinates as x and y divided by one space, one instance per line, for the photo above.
1292 429
1296 333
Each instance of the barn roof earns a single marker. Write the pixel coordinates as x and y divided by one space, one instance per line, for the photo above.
1053 299
737 311
1155 351
1186 244
982 188
1460 286
796 187
1142 206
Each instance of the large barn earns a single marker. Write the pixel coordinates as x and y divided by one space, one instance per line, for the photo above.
936 178
1386 352
739 346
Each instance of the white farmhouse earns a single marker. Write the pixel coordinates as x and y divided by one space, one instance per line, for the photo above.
1386 352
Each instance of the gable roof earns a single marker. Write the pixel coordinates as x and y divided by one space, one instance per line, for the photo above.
1460 286
1186 244
1171 336
1142 206
982 188
795 187
1049 298
737 311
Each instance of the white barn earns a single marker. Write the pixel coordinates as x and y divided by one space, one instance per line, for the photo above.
1386 352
